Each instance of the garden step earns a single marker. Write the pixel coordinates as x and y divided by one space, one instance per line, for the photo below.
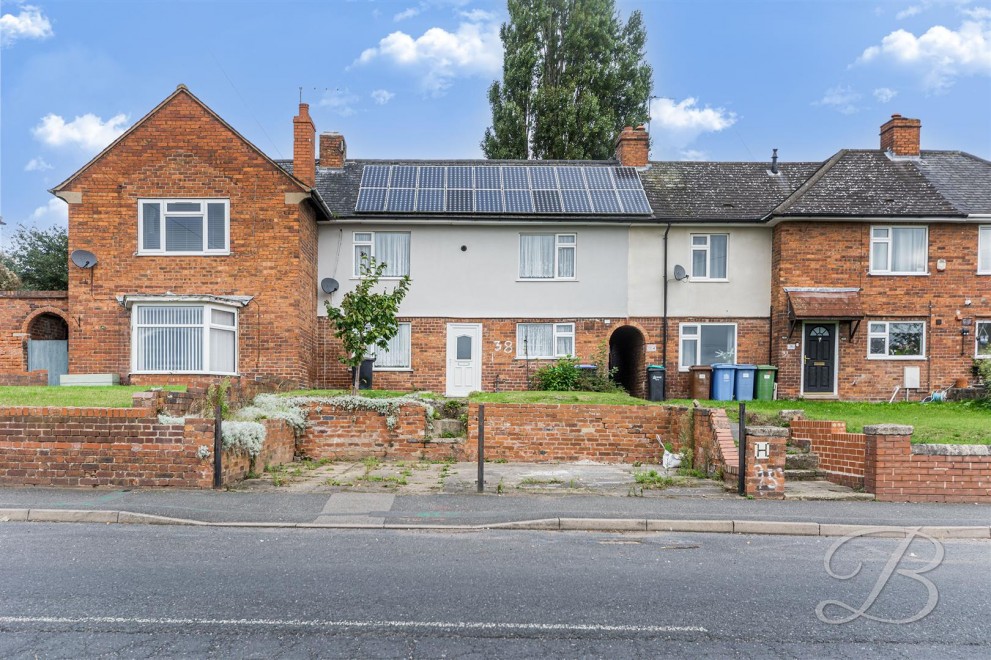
803 475
801 462
448 428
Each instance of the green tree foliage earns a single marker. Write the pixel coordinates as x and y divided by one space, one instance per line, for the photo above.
366 318
40 258
573 77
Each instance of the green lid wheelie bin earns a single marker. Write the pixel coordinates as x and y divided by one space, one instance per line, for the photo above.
765 382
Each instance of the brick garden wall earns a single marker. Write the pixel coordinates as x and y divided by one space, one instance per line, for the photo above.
46 446
565 432
841 454
279 447
23 314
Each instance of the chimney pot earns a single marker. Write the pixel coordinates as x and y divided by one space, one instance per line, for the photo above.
901 136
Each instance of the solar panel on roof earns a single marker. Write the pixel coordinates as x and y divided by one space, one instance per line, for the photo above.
432 177
571 177
459 201
459 177
543 178
515 178
430 200
604 201
488 201
403 176
519 201
576 201
634 201
371 199
400 199
627 178
375 176
547 201
598 178
488 178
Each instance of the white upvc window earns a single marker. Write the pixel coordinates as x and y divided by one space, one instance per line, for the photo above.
984 250
397 356
899 250
710 256
184 226
545 341
183 338
548 256
389 247
706 343
982 340
896 340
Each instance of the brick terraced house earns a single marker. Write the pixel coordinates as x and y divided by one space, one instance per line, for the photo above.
868 271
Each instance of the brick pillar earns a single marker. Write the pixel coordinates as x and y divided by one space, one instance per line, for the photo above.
333 150
888 447
765 476
304 164
633 146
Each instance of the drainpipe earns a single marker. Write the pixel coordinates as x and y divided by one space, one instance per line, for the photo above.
664 326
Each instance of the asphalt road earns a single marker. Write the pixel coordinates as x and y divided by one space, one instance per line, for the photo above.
77 590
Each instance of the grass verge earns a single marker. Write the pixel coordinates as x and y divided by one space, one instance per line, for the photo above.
111 396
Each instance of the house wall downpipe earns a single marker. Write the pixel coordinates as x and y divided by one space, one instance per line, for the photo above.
664 323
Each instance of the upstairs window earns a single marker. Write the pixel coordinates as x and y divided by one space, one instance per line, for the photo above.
896 340
709 256
984 250
548 256
899 250
184 226
388 247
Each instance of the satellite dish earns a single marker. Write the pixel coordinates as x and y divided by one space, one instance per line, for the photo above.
680 273
83 258
329 285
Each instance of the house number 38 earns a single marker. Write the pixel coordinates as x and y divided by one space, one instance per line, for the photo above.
503 346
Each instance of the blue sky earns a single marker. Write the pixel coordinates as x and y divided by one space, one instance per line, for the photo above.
407 78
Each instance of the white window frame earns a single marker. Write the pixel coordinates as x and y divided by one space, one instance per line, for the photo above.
355 263
885 269
708 255
558 246
374 350
983 245
555 333
977 336
698 342
163 226
207 325
886 335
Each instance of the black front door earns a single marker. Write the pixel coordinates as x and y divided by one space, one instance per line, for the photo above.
818 359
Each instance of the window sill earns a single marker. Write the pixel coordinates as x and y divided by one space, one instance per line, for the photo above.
546 279
183 254
392 369
520 358
182 373
873 274
899 358
391 278
708 279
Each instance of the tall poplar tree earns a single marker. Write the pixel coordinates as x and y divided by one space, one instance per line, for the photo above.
573 76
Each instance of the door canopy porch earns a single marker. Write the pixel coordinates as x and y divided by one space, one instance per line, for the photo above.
825 304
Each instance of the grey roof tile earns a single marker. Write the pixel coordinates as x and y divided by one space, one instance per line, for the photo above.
961 178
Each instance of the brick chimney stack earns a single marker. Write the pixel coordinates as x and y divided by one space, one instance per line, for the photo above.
632 146
304 165
333 150
900 136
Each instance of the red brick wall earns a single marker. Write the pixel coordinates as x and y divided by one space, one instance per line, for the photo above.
19 311
184 151
898 472
551 432
335 432
713 442
765 478
502 371
828 254
841 454
279 447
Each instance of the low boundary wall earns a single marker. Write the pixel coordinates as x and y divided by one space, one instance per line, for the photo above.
841 454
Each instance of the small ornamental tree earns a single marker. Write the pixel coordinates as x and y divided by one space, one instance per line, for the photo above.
365 318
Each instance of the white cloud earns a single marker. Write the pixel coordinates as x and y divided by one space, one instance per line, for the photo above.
30 23
406 13
939 55
339 101
88 131
678 123
477 15
438 56
885 94
37 165
908 12
841 98
382 96
693 154
54 211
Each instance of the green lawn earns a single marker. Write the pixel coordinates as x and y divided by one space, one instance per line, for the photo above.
371 394
111 396
942 423
611 398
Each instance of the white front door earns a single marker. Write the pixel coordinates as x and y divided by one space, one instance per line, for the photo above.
464 358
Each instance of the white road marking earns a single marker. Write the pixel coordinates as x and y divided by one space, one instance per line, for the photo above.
317 623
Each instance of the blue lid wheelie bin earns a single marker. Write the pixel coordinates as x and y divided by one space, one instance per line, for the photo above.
746 375
723 381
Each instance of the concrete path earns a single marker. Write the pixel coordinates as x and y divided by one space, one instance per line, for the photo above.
356 509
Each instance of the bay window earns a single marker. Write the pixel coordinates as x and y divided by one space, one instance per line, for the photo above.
706 343
184 339
548 256
899 250
545 340
184 226
896 339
